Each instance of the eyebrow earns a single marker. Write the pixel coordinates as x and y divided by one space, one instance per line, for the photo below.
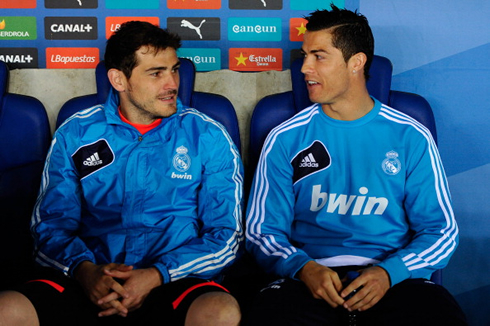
177 65
313 51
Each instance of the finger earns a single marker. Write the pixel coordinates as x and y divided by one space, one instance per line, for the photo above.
108 312
108 298
119 289
119 267
352 288
117 308
118 273
367 303
331 295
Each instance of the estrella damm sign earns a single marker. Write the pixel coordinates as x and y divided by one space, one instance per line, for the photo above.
18 28
112 24
254 29
255 59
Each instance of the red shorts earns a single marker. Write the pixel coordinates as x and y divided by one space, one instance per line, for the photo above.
60 300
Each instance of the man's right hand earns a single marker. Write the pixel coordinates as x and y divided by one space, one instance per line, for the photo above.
97 284
323 283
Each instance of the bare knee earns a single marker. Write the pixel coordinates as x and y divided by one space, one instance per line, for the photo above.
214 308
16 309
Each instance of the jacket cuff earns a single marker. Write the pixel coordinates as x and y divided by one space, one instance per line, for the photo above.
396 269
77 262
163 272
294 264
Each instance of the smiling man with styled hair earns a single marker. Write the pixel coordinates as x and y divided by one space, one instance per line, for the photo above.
350 205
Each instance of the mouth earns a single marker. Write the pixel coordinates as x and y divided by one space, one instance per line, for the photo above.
168 97
312 83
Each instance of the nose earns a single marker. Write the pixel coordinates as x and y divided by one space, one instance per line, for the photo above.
173 81
306 67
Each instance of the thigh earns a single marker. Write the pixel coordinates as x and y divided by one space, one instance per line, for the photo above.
415 302
289 302
59 300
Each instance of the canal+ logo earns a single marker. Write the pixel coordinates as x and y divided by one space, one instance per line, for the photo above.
70 28
17 58
71 4
256 4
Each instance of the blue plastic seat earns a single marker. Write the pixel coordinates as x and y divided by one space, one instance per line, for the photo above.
24 141
216 106
274 109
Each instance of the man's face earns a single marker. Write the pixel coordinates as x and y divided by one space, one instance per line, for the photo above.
151 91
326 72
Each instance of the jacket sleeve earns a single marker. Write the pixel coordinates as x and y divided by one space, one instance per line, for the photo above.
57 213
427 204
219 213
270 214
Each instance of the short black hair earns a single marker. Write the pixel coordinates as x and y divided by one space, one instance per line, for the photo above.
120 52
351 33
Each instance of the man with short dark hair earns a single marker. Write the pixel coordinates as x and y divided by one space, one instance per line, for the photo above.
140 206
350 204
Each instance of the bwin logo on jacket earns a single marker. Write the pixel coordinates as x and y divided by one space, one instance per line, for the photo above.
310 160
92 157
195 28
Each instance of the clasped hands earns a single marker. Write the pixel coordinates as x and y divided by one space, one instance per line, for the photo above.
324 283
116 288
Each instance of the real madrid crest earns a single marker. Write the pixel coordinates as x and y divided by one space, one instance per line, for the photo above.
182 161
391 164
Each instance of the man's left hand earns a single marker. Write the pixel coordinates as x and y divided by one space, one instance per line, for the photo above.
138 283
375 282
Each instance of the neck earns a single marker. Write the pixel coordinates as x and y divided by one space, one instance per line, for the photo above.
350 109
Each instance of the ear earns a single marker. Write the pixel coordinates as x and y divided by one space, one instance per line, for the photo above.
117 79
357 62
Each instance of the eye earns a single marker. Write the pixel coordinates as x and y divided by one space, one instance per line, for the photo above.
175 70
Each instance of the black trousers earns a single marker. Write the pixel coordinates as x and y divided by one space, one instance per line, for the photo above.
415 302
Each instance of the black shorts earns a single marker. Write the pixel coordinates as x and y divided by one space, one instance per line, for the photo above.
288 302
60 300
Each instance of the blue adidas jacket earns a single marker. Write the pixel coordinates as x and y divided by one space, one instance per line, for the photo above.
368 191
170 198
